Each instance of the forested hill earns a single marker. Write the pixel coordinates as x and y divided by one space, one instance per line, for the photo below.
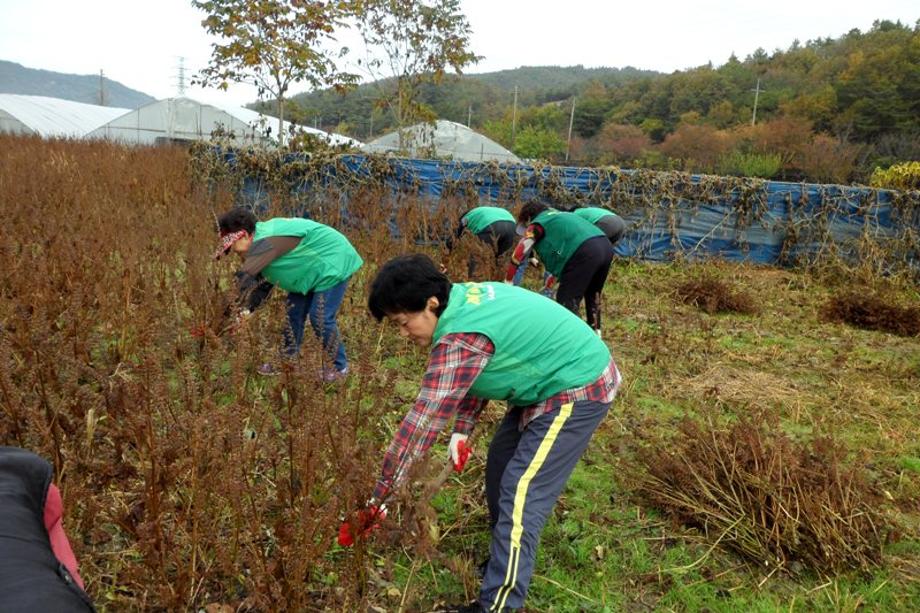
90 89
484 96
828 110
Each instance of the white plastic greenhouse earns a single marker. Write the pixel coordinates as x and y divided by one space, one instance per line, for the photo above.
255 118
443 139
175 120
52 117
164 121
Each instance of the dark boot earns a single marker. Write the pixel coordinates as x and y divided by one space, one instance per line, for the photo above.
473 607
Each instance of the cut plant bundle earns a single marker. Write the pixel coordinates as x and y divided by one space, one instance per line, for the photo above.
716 296
772 500
872 311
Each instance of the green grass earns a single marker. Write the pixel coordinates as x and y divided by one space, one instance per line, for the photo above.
604 550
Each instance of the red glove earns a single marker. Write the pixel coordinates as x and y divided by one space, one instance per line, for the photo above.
198 330
366 521
459 451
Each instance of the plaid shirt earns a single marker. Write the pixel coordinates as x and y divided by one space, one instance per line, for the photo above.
454 364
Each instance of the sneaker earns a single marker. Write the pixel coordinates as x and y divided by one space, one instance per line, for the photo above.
331 375
267 370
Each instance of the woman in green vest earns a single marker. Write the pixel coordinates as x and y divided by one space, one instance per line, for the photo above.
492 225
573 250
310 261
491 341
608 222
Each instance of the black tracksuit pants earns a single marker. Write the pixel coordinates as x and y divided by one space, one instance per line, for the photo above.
583 278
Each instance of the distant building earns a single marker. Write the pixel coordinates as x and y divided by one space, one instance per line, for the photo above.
442 139
52 117
173 120
269 126
176 120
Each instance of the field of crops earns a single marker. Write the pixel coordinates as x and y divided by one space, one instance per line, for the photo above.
190 482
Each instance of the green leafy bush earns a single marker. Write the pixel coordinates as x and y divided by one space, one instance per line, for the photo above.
763 165
899 176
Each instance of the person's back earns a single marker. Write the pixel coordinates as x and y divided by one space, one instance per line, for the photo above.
611 224
323 259
32 578
563 234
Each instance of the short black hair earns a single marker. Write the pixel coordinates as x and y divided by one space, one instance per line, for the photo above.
404 285
530 210
237 219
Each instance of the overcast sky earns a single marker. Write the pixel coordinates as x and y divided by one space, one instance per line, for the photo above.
139 43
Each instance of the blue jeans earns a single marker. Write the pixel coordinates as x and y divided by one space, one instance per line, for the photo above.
519 273
519 277
322 308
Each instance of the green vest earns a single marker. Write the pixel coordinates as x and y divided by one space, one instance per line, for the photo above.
478 219
593 213
563 234
323 259
541 348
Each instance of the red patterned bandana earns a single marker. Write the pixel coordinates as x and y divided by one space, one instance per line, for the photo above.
227 240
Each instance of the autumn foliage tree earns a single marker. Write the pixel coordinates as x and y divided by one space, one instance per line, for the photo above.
273 44
621 143
409 43
699 146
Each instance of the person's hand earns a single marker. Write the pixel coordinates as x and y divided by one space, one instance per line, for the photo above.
459 451
239 321
534 262
199 330
361 523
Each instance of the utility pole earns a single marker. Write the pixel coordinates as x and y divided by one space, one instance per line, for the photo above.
101 88
469 116
756 91
514 117
568 142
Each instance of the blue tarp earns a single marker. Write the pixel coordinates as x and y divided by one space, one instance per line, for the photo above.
702 222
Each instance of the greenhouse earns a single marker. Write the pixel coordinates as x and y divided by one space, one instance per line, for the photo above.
442 139
52 117
176 120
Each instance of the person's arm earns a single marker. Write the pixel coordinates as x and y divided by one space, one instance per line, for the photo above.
252 289
533 234
455 363
468 414
455 236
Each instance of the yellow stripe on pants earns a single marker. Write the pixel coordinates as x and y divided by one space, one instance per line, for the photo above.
520 496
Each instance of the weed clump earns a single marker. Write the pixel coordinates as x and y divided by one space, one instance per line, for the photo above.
716 296
772 500
873 311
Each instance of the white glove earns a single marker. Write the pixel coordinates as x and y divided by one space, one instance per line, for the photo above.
534 262
458 457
